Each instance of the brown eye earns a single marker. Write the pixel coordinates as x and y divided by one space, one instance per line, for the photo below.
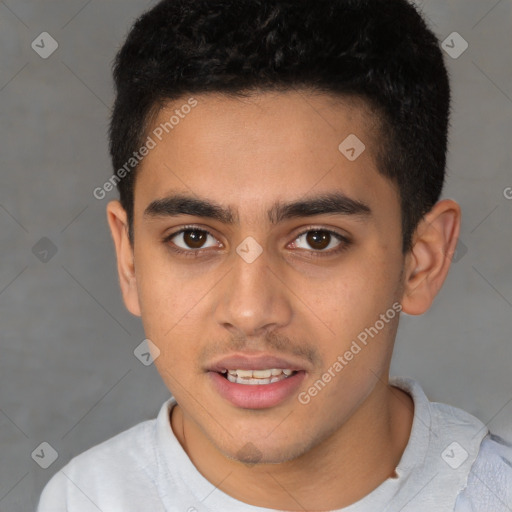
318 239
194 239
191 240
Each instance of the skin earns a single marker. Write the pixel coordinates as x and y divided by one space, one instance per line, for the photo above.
247 154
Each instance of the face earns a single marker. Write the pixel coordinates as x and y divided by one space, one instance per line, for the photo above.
284 255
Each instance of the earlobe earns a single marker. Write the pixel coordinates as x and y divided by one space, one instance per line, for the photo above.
118 223
429 260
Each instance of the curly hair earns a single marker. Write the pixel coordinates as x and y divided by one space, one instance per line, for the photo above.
381 51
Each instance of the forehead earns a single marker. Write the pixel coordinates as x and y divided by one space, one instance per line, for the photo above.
256 149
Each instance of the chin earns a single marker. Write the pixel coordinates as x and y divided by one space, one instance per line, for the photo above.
264 452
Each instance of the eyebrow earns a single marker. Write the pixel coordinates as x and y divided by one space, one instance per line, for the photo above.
334 203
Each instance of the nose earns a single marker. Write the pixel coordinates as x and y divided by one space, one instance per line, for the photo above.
252 298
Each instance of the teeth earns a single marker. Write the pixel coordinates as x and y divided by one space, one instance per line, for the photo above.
244 373
261 374
251 377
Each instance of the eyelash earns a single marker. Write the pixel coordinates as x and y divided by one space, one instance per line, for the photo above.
195 253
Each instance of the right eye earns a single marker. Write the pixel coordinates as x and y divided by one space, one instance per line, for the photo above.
190 240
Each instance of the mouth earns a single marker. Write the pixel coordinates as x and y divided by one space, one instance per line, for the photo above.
255 381
257 377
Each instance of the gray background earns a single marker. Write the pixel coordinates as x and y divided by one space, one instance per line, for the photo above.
68 375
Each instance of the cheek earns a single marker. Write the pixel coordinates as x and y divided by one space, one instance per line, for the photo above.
163 292
358 342
173 316
352 296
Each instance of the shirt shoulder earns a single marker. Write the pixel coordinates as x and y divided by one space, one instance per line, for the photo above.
489 485
114 475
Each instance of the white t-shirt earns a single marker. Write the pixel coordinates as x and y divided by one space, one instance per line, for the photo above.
451 463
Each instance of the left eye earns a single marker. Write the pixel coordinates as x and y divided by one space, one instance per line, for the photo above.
319 239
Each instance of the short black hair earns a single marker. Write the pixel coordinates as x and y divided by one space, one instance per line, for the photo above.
381 51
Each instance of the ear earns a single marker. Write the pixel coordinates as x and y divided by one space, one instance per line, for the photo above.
428 262
117 220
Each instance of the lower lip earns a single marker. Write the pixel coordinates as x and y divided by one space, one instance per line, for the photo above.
257 396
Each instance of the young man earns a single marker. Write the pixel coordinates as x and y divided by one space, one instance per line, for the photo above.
280 165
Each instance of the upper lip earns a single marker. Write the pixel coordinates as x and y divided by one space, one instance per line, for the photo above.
253 362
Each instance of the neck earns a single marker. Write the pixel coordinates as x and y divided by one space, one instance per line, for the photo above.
341 470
